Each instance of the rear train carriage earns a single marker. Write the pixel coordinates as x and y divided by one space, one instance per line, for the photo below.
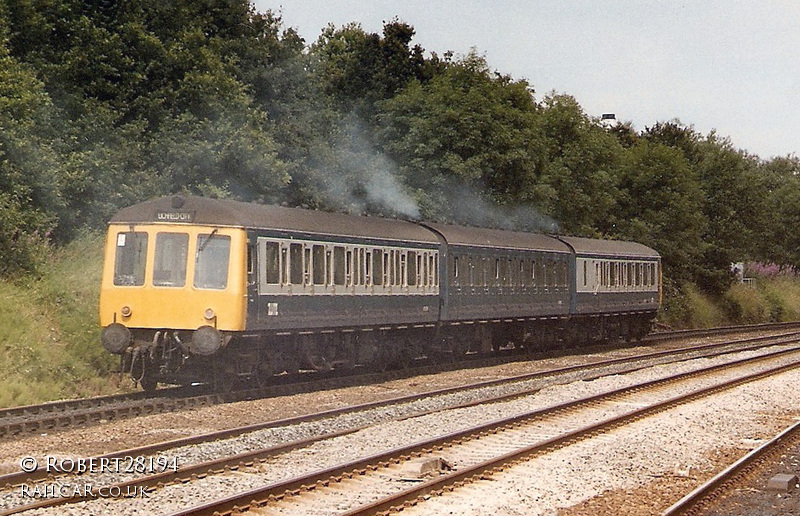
616 288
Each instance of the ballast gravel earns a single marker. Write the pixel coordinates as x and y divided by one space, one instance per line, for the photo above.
678 444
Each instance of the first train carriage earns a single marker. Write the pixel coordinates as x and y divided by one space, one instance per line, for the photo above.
185 275
199 289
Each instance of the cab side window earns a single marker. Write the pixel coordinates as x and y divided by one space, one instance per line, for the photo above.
130 259
211 261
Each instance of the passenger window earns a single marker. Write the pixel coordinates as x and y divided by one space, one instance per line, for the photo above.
296 263
338 265
403 268
356 268
585 273
472 278
367 267
211 262
307 265
319 264
363 266
348 268
412 268
398 268
285 265
130 259
387 273
169 268
377 266
329 267
272 263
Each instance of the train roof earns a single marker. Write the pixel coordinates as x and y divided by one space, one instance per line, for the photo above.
620 248
496 238
225 212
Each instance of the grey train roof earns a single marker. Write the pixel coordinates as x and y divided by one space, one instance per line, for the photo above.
623 249
225 212
495 238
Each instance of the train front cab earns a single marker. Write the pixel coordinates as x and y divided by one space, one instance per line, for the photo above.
171 292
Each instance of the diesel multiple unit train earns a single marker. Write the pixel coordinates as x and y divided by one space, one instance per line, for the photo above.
206 290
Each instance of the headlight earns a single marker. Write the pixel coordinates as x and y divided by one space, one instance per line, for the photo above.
210 314
126 311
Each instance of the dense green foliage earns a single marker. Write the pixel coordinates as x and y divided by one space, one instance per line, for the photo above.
103 104
49 333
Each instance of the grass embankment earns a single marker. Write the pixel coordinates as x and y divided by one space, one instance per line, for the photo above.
775 299
49 336
50 340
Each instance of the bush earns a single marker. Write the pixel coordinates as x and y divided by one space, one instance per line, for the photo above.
49 335
687 307
744 304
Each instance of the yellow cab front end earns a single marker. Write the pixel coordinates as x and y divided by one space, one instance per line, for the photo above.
171 291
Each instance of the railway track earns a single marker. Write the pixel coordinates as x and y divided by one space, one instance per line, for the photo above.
482 451
251 459
19 421
707 495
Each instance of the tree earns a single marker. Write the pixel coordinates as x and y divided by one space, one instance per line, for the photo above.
358 69
29 187
583 159
779 240
466 133
660 206
731 199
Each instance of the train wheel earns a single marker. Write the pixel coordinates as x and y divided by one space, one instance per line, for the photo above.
317 351
391 356
224 381
262 379
383 363
405 359
148 383
263 373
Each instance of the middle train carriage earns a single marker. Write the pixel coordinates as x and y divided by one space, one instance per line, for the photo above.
270 289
